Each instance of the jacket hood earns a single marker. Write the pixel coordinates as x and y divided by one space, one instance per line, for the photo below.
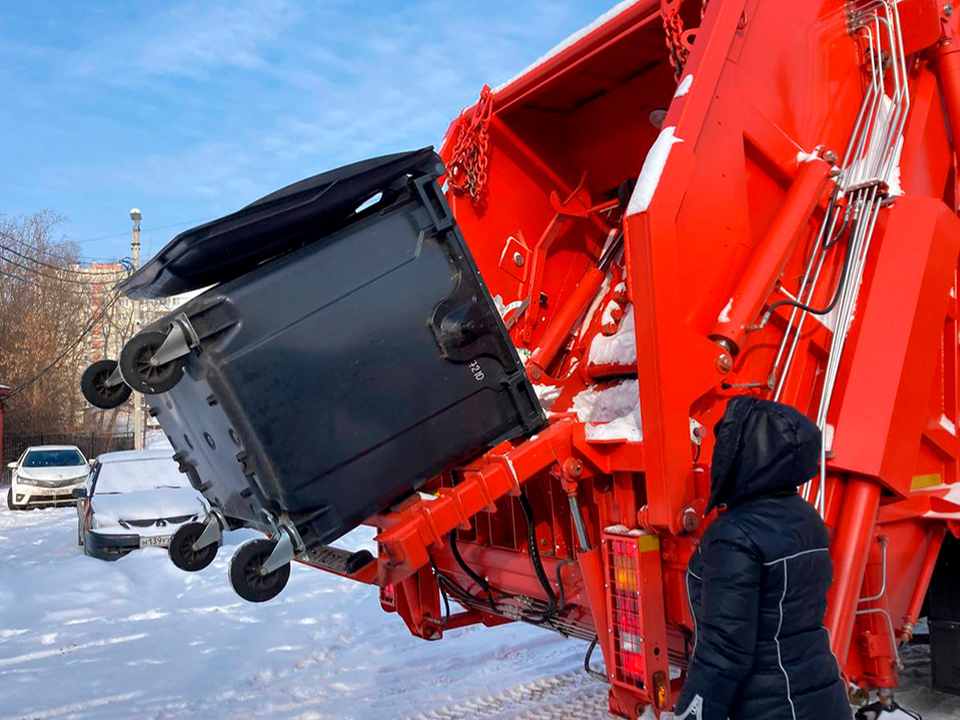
762 448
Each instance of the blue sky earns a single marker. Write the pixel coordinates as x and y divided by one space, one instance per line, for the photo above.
191 109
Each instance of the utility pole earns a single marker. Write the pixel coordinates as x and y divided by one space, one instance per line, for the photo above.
138 429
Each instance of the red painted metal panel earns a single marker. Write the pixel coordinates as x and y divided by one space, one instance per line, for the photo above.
880 417
728 209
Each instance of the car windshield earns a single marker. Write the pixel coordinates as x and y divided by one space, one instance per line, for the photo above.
137 475
53 458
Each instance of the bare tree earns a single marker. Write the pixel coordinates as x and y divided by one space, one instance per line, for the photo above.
45 313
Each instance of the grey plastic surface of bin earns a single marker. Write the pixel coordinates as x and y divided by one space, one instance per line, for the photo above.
337 378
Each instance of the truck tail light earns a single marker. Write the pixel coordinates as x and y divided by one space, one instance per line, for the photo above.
636 646
388 598
625 601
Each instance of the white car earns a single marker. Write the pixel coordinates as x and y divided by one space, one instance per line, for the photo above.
46 475
134 499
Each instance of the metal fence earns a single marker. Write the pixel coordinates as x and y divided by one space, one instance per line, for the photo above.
90 444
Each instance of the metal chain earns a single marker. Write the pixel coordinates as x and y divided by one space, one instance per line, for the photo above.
673 26
467 169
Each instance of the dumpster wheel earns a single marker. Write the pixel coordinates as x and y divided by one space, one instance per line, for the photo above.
184 555
97 388
140 373
246 574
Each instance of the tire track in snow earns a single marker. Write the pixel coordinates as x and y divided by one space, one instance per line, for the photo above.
73 708
41 654
572 695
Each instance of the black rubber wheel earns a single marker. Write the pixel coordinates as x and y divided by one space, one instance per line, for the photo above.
10 504
245 575
137 371
93 384
181 549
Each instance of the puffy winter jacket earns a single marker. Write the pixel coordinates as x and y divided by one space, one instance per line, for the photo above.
759 579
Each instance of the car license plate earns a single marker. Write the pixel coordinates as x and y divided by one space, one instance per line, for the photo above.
155 541
44 492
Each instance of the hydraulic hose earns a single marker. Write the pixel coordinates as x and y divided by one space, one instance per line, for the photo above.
841 282
535 558
469 571
563 595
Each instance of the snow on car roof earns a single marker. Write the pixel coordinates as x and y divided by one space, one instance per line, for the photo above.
52 447
131 455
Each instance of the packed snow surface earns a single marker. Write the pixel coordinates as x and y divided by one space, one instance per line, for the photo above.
547 394
608 311
684 87
82 639
611 413
651 171
158 503
156 440
619 348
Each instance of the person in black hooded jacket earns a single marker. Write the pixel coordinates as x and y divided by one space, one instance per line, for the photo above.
758 581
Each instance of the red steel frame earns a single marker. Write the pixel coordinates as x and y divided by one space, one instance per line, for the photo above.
733 217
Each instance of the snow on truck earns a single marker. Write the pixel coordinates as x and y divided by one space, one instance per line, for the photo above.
510 363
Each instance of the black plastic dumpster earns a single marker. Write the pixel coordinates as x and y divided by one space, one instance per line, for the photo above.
344 358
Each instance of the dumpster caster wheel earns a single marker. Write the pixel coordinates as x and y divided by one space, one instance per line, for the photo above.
184 555
143 375
246 572
97 388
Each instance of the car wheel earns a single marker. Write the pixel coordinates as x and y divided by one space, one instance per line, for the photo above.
245 572
10 504
182 552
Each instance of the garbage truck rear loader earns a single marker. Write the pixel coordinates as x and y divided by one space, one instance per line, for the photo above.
683 203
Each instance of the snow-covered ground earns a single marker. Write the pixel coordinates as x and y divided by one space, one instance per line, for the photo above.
82 639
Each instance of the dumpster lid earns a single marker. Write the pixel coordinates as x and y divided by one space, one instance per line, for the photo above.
293 216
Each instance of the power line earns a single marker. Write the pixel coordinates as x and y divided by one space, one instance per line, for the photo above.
63 291
105 277
27 257
59 268
96 319
46 251
126 234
